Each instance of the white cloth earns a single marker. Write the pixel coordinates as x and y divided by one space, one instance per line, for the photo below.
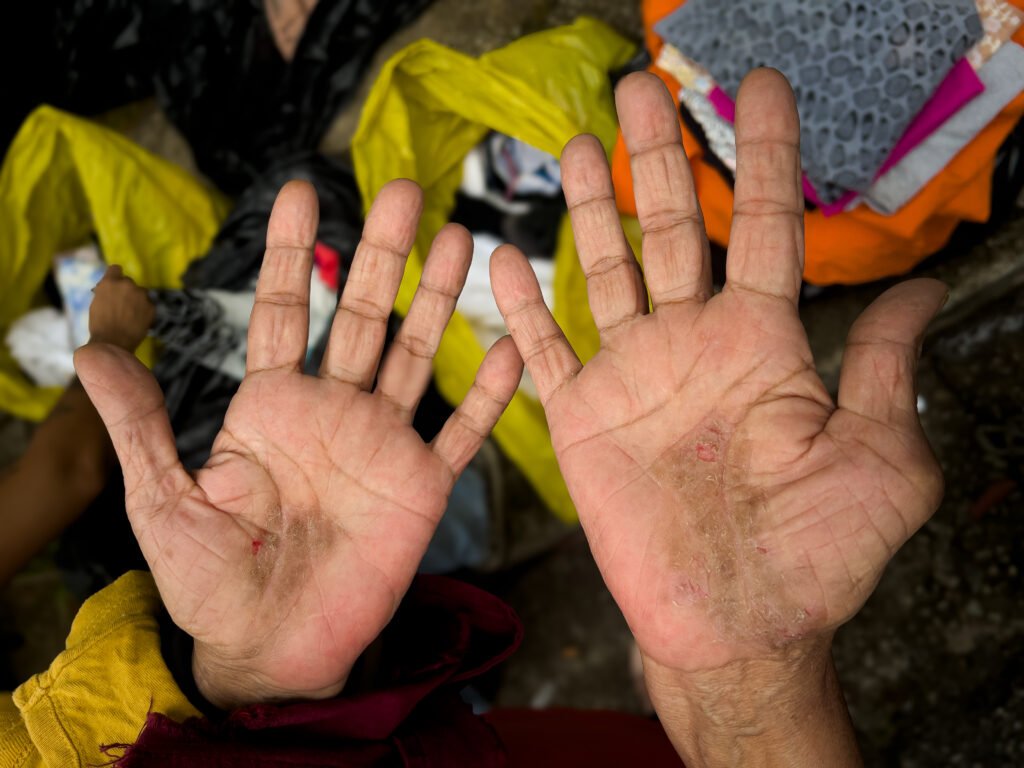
40 340
477 304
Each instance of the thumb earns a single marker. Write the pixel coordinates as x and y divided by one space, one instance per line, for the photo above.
131 405
878 378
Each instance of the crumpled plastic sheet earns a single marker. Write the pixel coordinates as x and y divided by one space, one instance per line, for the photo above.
234 259
216 71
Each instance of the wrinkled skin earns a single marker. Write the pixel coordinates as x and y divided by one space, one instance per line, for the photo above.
120 312
731 506
734 509
286 555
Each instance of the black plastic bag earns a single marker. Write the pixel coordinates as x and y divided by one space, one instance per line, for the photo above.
214 67
233 261
226 86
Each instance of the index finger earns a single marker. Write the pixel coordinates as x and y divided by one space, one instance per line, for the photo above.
766 244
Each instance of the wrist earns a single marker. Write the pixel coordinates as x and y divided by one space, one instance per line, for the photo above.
781 709
232 684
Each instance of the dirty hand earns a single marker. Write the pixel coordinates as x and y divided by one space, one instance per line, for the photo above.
290 550
737 513
120 312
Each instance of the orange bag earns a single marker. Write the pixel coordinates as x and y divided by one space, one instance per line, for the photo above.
859 245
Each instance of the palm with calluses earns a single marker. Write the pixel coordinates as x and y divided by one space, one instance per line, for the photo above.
732 507
289 551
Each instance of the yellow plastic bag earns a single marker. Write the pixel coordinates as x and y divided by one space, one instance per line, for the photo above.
64 179
429 107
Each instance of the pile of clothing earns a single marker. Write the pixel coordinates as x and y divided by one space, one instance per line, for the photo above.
889 93
511 192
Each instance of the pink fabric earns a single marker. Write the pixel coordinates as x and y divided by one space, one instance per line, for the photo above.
723 105
960 85
828 209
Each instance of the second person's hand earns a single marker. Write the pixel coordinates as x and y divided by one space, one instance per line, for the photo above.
120 312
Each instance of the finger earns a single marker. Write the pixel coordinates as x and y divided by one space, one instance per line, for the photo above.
466 429
541 343
279 324
360 324
406 370
766 242
130 403
615 287
882 351
114 271
677 260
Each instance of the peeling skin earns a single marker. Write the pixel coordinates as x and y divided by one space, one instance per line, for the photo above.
717 560
286 560
707 451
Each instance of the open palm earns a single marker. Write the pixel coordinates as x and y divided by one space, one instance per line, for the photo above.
290 550
731 506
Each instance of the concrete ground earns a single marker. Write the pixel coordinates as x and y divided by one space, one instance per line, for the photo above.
933 667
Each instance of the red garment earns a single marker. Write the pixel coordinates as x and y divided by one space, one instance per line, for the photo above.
564 738
444 634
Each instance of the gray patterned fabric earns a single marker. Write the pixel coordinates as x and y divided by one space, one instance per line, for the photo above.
1003 76
860 70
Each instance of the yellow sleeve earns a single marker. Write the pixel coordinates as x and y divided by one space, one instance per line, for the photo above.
16 748
100 689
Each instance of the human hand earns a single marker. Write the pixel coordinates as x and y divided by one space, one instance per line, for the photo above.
737 514
120 312
288 552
